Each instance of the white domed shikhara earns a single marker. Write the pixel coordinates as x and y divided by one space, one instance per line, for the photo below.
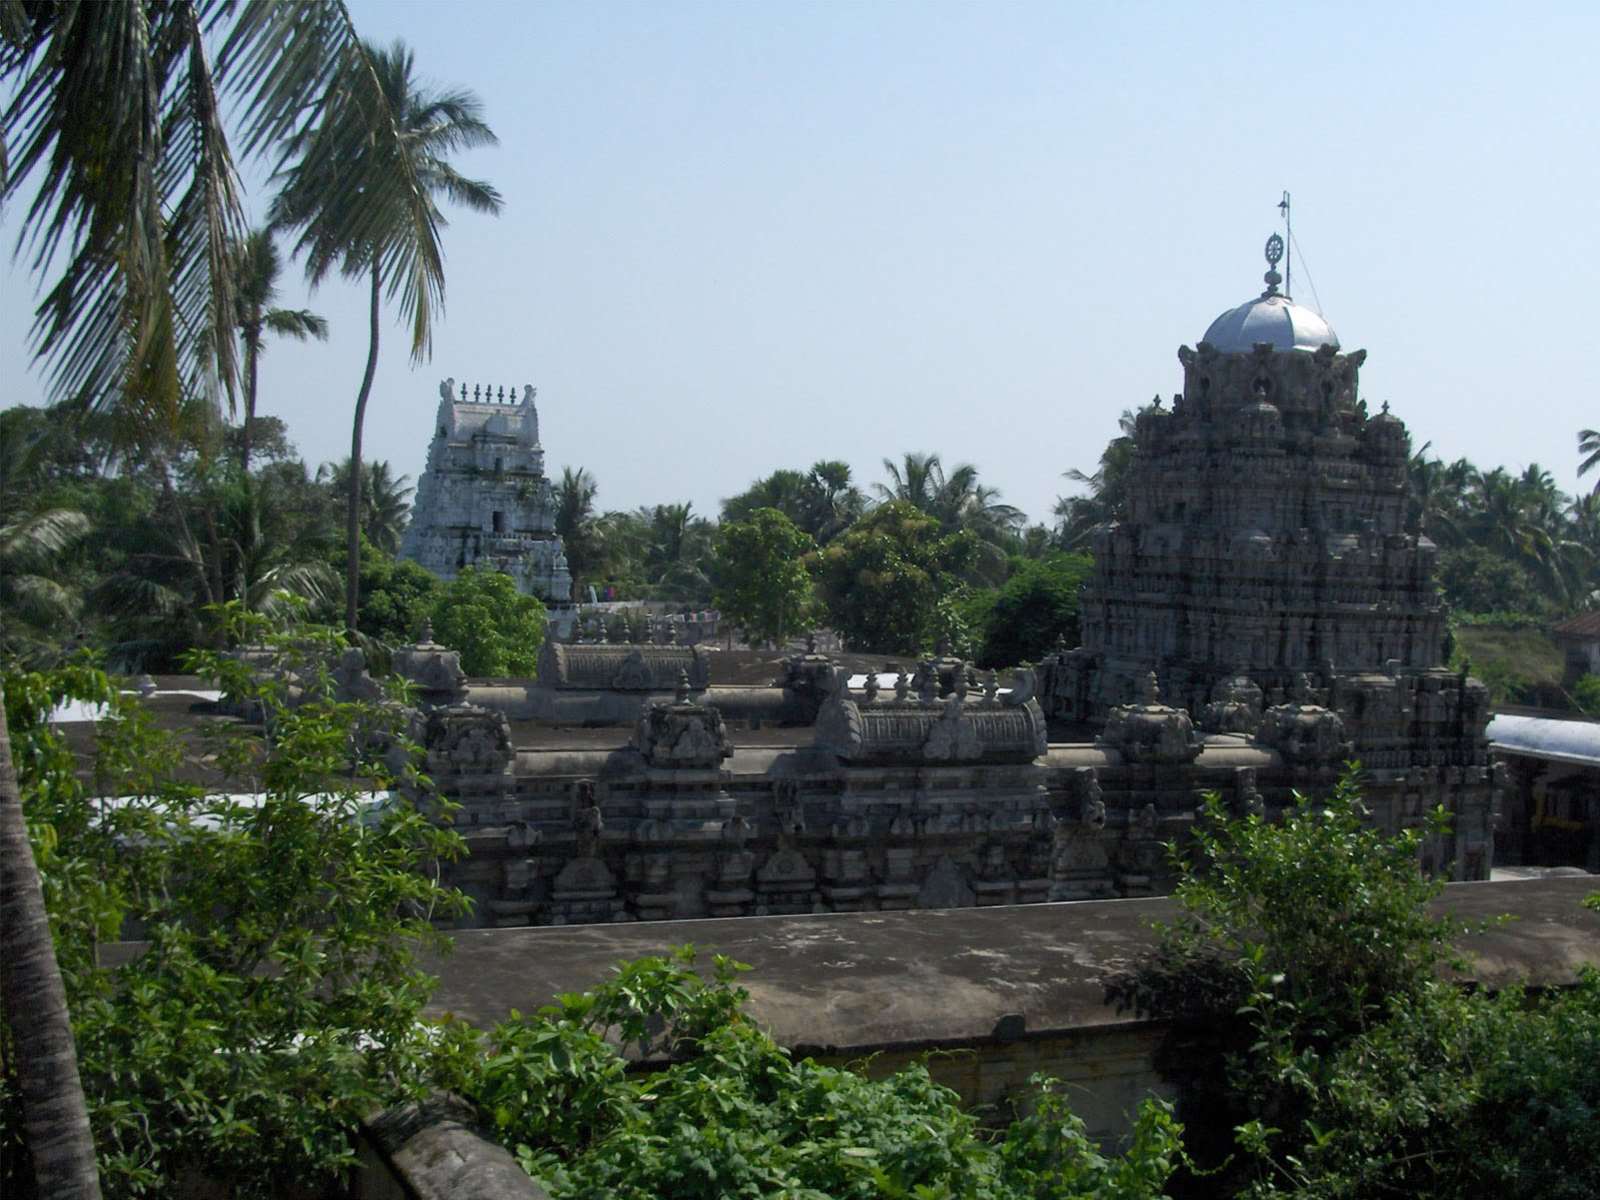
1270 319
1273 319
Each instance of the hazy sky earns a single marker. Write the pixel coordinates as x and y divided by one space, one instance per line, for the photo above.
741 236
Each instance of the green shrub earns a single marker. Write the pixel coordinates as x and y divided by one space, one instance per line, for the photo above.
1036 609
734 1114
1321 1052
497 629
277 997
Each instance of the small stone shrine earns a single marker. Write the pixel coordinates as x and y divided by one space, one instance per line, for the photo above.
484 500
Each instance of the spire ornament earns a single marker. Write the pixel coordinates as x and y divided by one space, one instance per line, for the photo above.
1274 254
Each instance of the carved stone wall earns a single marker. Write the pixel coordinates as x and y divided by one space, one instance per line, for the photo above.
902 801
1265 531
621 668
1260 615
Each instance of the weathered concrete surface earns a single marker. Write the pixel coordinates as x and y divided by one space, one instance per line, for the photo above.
860 982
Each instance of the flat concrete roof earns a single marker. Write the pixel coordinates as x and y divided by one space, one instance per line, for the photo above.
858 982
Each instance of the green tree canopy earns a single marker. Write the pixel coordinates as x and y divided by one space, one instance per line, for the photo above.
397 595
763 584
1036 608
497 629
882 581
822 502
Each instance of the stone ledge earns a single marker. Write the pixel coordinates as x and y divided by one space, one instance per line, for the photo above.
856 983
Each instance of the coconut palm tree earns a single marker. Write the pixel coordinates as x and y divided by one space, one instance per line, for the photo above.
1589 447
367 206
32 599
678 552
575 522
959 503
1077 516
114 123
385 500
257 266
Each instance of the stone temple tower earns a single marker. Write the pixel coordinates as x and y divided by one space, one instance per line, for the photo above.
1266 551
484 499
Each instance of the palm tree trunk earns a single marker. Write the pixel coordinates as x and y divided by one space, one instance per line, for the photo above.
352 525
251 336
55 1118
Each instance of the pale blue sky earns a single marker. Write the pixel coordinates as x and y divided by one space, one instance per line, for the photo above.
745 236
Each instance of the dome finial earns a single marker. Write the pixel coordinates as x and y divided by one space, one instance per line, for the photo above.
1274 255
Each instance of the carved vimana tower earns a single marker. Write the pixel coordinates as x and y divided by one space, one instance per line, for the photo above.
484 499
1265 551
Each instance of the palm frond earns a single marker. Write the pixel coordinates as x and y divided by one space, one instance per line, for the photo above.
37 538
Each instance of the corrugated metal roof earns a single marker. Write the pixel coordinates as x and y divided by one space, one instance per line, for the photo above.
1544 737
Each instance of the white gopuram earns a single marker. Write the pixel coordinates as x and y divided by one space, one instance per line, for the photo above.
484 500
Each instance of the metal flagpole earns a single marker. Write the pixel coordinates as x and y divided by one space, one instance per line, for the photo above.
1288 241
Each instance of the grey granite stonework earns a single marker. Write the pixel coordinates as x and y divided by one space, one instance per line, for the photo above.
1259 616
484 499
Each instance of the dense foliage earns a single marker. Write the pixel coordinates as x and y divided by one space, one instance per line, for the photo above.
497 629
1323 1052
275 997
734 1114
882 582
763 581
1035 610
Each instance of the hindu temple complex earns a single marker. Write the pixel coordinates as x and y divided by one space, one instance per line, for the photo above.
484 499
1262 614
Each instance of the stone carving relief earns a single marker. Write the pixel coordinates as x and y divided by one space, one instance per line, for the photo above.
1235 705
1150 731
1304 733
465 739
682 734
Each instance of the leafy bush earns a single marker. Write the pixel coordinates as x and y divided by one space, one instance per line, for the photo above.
1478 580
1037 607
277 996
735 1115
882 581
396 594
497 629
763 583
1319 1050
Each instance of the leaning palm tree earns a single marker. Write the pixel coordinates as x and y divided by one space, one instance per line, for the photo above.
257 265
362 189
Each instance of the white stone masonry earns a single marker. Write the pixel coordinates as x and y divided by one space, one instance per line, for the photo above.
484 499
